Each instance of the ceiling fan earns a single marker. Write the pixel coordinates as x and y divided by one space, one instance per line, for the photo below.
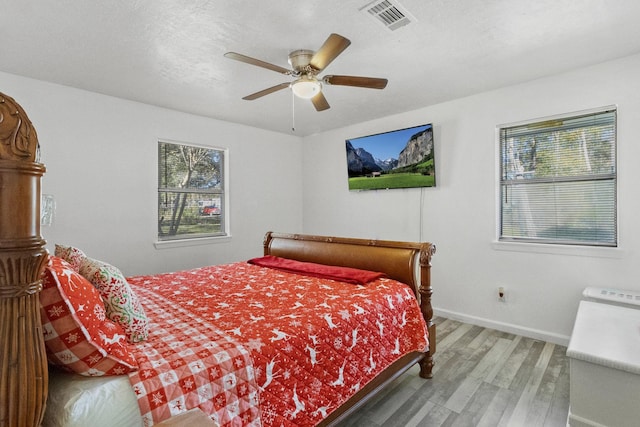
306 65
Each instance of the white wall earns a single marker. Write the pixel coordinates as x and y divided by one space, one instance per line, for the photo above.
101 158
459 215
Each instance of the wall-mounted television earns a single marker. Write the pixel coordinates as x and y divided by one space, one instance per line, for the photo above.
402 158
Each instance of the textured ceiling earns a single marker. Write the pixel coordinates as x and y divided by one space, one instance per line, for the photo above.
170 52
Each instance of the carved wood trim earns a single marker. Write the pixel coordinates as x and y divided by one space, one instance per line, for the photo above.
18 138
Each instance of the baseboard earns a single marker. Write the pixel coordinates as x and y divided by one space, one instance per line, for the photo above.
505 327
576 421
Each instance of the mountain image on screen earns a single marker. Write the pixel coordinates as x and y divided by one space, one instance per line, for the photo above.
402 158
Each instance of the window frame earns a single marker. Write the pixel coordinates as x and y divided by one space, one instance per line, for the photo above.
567 246
203 238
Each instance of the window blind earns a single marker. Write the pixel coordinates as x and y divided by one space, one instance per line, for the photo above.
558 180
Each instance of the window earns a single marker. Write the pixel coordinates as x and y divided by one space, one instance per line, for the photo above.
191 191
558 180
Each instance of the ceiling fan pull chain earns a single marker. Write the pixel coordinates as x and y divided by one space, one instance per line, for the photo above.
293 112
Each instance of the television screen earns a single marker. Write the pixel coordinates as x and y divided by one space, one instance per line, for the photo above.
401 158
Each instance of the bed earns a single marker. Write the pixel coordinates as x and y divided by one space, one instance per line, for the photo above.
286 373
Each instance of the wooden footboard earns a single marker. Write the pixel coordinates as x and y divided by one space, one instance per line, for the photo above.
406 262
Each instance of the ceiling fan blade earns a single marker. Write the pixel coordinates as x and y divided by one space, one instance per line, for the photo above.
320 102
249 60
332 47
266 91
366 82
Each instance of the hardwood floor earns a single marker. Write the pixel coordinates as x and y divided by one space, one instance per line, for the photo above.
482 377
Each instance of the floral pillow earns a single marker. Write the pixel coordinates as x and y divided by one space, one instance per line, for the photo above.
73 256
78 335
121 302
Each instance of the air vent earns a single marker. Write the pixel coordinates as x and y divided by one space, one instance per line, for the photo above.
389 13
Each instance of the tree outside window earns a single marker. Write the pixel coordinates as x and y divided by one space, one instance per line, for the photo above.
191 191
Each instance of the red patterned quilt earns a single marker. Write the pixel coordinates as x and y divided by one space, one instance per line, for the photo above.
253 346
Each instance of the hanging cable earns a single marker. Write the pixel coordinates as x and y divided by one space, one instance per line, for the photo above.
293 112
421 212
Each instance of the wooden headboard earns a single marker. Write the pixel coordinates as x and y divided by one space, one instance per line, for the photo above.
407 262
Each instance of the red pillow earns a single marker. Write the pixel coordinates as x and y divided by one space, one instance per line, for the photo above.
78 335
333 272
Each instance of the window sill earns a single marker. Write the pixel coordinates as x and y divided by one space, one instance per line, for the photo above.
183 243
569 250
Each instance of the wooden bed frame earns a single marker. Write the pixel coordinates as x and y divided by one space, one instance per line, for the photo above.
23 362
398 260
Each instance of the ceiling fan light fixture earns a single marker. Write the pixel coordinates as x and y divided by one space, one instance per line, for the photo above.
306 87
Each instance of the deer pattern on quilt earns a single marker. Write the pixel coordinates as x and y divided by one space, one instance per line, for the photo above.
310 342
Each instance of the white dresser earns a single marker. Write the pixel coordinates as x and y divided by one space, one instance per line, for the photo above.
604 357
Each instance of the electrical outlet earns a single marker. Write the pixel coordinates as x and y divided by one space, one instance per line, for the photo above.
502 295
